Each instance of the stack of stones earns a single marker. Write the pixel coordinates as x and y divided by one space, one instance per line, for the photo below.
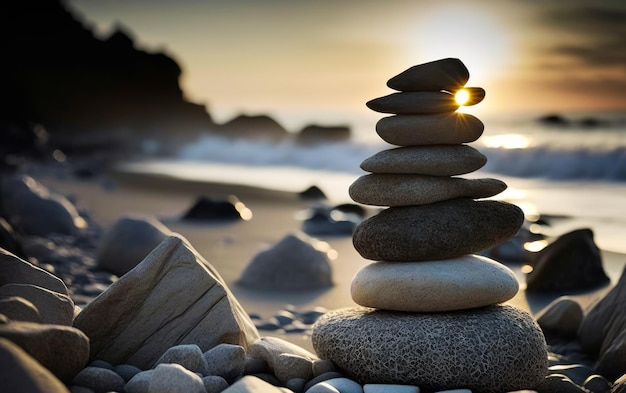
431 312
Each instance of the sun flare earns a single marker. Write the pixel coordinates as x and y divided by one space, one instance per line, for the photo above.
461 97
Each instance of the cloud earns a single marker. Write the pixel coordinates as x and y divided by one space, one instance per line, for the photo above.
599 32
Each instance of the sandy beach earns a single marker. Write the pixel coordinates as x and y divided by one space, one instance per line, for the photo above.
229 247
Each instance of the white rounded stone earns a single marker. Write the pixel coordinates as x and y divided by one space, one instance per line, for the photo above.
461 283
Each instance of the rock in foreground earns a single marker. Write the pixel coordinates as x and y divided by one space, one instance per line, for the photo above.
172 297
492 350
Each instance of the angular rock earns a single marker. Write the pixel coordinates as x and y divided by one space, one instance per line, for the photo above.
128 242
415 103
389 189
294 263
174 378
445 74
612 361
571 263
19 309
61 349
440 129
431 350
99 380
14 270
562 316
429 287
32 208
441 230
189 356
9 241
620 385
22 373
172 297
434 160
54 308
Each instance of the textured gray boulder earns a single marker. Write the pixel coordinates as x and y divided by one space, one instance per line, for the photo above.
128 242
434 160
32 208
414 103
172 297
294 263
390 189
440 129
492 349
440 230
444 74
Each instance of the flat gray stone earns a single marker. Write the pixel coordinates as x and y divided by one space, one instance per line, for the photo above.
226 360
128 242
14 270
172 297
389 189
434 160
429 287
441 230
490 349
19 309
273 351
54 308
439 129
444 74
414 103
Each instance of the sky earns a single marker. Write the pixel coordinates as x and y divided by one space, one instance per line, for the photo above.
320 61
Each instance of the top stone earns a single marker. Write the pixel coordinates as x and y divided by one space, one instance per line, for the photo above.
445 74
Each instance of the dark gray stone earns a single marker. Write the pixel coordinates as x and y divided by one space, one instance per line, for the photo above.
436 231
414 103
436 351
597 384
100 380
444 74
435 160
440 129
571 263
562 317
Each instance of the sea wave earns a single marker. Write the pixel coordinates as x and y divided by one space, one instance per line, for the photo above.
580 163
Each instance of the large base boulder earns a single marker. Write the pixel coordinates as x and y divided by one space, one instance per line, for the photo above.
493 349
172 297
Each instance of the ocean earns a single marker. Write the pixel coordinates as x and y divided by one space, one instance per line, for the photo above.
573 171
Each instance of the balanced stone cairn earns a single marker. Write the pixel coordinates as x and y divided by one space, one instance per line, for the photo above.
431 312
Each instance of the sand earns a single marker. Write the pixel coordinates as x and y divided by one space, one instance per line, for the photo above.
229 247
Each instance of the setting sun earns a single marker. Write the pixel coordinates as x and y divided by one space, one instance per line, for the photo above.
461 97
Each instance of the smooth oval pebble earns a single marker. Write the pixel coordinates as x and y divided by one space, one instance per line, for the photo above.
388 189
389 388
414 103
444 74
440 129
441 230
453 284
434 160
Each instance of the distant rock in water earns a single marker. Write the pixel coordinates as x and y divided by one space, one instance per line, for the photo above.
554 120
314 133
208 209
297 262
260 126
571 263
312 193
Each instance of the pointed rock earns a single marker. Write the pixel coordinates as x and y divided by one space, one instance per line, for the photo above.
172 297
435 160
429 287
14 270
441 129
445 74
414 103
441 230
388 189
